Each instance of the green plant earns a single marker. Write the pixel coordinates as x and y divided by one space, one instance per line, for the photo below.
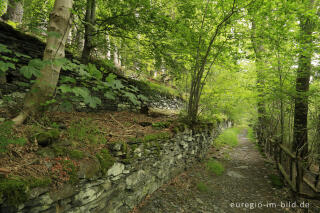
202 187
161 125
7 136
105 160
14 191
215 167
64 170
76 154
228 137
85 130
251 134
276 181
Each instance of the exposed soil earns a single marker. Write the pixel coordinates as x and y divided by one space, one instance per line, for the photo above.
245 181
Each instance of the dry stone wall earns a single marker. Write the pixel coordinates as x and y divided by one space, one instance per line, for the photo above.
125 185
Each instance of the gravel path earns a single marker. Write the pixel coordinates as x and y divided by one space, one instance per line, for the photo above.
245 186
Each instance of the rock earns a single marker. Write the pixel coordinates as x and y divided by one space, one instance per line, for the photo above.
116 169
135 178
234 174
144 124
199 201
242 167
116 147
46 138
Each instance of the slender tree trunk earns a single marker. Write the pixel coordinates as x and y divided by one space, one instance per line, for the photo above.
300 127
258 49
45 84
14 11
89 30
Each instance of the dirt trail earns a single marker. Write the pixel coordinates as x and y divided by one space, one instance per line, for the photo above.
245 186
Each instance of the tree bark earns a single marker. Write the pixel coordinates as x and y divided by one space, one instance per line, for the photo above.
14 11
258 49
300 127
89 30
45 84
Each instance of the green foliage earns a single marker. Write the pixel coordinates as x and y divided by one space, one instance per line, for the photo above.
14 191
33 68
7 136
161 125
215 167
228 137
105 159
38 182
156 136
47 136
251 134
85 131
276 181
76 154
202 187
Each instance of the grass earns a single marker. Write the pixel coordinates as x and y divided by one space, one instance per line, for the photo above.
202 187
228 137
215 167
7 136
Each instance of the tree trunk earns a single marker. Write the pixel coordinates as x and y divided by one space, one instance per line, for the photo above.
89 30
300 131
14 11
45 84
258 49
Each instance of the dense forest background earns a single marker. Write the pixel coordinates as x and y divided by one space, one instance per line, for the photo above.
248 62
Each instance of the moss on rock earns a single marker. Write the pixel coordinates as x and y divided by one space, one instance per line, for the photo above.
105 159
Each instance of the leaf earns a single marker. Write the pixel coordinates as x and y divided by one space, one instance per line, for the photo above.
132 98
5 66
53 34
4 49
28 71
67 79
117 85
94 71
92 101
22 55
110 77
109 95
59 61
81 91
143 98
65 88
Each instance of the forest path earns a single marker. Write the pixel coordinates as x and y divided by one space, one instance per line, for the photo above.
245 181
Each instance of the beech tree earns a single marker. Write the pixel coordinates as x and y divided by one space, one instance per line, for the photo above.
44 87
14 11
300 131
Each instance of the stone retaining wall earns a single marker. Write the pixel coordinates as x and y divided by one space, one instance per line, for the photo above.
125 185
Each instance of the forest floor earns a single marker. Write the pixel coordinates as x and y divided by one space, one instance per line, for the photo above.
245 186
80 136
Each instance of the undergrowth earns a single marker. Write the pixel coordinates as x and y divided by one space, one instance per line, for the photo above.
202 187
215 167
7 136
228 137
251 134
